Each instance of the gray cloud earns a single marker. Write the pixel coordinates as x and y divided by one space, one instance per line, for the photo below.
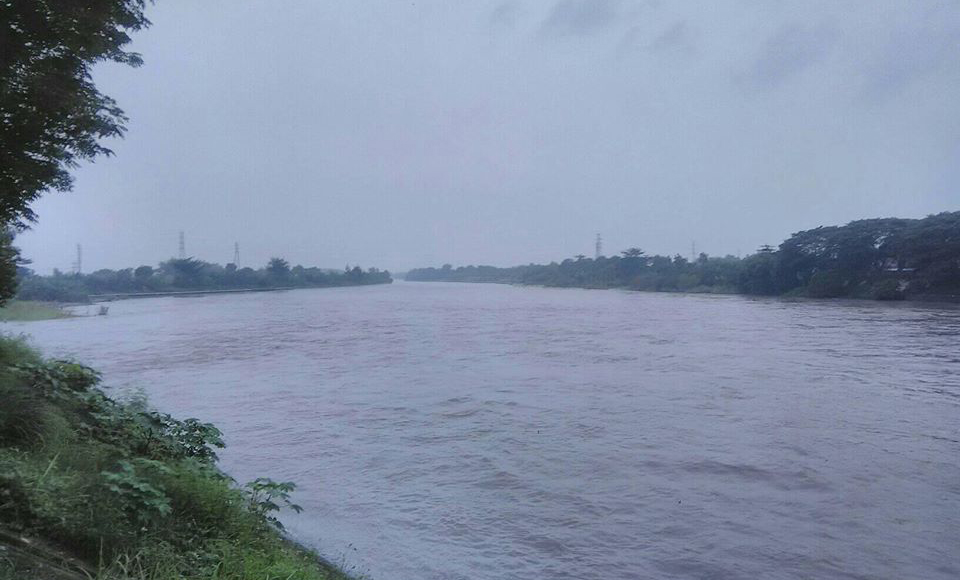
910 55
791 50
399 134
580 17
504 14
675 38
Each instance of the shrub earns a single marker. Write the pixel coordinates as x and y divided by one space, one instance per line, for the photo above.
266 497
25 418
886 290
143 499
134 493
826 284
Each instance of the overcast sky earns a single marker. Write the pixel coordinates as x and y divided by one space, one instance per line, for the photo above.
399 134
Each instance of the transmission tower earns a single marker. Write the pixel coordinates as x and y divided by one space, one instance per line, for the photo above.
78 265
236 254
598 249
183 247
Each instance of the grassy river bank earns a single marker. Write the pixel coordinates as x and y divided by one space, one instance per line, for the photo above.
92 487
31 310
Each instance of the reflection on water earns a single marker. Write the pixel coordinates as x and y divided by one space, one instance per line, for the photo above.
444 431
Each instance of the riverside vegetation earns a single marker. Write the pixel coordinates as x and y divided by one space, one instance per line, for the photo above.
187 274
25 310
95 488
884 259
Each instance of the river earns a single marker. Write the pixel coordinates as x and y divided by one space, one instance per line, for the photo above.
448 431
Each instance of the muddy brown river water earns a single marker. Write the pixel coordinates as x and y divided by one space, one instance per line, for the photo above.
447 431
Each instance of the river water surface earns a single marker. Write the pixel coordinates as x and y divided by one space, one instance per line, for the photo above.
448 431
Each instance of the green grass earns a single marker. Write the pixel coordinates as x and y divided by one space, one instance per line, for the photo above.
116 491
30 310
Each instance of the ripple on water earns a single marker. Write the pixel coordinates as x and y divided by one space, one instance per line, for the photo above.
455 431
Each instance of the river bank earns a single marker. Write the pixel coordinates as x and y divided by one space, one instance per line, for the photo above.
867 293
91 487
186 277
109 297
878 259
31 310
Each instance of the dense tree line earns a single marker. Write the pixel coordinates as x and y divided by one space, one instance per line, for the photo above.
633 269
188 274
885 259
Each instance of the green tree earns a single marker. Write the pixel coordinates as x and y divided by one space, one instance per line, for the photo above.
278 267
53 114
759 273
9 259
186 272
631 265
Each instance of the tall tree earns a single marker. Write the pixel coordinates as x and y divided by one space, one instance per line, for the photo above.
278 267
51 114
9 259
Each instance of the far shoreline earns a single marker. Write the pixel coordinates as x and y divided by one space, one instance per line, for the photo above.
928 299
